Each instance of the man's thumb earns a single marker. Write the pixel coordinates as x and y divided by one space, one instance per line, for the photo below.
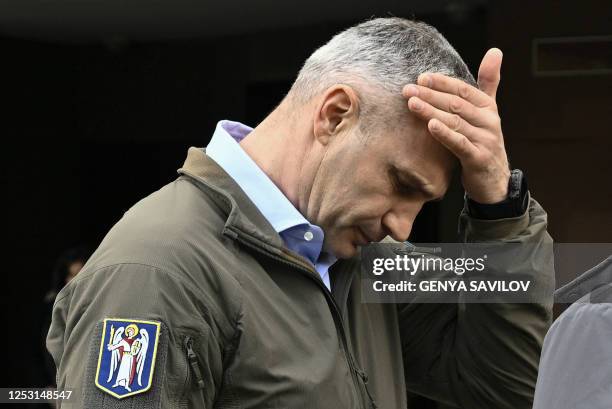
489 72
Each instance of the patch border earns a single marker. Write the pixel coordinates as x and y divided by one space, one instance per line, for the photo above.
150 382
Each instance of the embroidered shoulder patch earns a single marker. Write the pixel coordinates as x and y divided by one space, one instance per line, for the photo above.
127 356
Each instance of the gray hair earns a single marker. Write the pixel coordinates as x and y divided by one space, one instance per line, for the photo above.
377 58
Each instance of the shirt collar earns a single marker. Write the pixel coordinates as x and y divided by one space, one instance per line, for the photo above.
296 232
224 149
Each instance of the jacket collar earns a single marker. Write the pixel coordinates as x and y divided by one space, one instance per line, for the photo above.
243 217
588 282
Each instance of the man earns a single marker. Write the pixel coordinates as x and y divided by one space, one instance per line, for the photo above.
247 261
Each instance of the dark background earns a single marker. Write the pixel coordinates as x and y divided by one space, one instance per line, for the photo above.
101 104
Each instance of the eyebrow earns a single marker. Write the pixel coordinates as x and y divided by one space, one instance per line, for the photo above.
411 179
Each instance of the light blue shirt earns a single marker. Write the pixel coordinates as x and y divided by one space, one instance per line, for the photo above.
297 233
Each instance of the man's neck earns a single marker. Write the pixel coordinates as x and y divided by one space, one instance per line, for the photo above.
278 145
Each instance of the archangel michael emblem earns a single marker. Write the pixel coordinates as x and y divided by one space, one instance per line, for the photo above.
127 356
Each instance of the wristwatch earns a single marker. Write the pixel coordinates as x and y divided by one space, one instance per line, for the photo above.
514 205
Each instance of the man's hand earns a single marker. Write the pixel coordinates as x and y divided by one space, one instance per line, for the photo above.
465 120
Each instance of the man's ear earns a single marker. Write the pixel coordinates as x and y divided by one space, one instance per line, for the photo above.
337 110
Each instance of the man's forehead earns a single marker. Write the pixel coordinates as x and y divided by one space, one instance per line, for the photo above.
416 155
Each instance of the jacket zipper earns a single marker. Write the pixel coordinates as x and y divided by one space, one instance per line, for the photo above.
364 378
343 288
194 365
330 300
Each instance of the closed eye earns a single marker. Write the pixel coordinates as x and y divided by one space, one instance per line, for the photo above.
409 184
400 187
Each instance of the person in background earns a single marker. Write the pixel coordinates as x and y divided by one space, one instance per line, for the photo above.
576 362
67 266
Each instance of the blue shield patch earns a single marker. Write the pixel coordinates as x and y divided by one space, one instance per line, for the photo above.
127 356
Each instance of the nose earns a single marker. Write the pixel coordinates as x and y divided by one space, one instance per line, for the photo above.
398 221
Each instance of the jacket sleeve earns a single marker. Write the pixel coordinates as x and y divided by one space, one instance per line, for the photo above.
472 355
137 292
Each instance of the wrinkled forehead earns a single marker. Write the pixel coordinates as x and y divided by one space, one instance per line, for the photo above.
412 149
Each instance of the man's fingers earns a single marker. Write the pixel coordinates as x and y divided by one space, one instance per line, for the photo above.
444 83
452 104
489 73
426 112
455 142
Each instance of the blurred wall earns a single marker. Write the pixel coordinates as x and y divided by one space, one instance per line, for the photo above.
557 128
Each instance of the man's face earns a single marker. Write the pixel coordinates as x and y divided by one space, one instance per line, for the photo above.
365 191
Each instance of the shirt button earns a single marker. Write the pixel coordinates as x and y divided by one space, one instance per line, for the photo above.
308 236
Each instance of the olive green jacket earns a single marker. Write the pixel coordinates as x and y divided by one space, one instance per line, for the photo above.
246 323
